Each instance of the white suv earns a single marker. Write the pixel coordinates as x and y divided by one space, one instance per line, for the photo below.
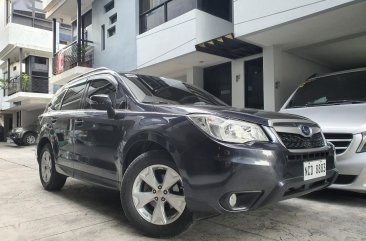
337 102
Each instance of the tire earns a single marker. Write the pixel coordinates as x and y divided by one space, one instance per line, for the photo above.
144 217
29 139
51 180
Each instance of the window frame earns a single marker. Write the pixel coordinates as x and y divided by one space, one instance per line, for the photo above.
99 77
82 82
163 4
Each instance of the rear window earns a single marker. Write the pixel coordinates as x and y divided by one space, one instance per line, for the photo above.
339 89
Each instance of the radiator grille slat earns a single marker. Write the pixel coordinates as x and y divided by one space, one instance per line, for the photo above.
295 141
341 141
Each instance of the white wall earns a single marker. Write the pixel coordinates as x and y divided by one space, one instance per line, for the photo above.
179 36
253 16
29 117
120 49
283 73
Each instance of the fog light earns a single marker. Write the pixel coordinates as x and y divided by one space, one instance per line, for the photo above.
232 200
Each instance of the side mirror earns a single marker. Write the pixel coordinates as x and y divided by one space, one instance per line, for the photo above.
103 102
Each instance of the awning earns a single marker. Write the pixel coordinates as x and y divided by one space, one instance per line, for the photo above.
229 47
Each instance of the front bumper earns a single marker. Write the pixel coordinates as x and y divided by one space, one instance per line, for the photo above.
15 136
352 168
260 174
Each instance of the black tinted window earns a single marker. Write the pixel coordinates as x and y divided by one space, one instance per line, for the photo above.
72 98
158 90
100 87
328 90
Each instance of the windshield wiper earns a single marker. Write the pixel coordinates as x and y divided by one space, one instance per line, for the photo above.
336 102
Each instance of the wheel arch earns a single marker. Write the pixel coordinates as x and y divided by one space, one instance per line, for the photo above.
145 143
42 142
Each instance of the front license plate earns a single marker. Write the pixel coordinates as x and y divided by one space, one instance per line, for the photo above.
315 169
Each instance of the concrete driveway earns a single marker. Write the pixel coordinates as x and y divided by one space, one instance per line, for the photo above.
85 212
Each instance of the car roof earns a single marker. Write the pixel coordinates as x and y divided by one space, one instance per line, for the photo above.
339 73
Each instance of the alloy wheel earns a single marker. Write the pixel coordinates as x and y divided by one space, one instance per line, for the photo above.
30 140
158 195
46 166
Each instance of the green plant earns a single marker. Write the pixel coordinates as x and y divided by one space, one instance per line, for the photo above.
25 81
4 83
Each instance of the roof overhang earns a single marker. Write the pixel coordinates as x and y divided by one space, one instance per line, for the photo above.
229 47
65 11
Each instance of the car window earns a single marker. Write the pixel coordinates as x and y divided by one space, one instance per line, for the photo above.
57 100
73 97
339 89
100 87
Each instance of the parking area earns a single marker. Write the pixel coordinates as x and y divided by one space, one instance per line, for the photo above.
85 212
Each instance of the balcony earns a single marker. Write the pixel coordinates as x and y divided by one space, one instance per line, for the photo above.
27 92
27 83
70 62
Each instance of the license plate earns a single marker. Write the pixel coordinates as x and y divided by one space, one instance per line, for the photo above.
315 169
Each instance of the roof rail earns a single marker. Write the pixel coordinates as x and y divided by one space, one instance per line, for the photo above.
87 73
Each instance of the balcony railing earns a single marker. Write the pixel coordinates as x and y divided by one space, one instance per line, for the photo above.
69 57
34 84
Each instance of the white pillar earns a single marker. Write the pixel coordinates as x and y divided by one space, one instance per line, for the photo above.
195 76
272 61
238 83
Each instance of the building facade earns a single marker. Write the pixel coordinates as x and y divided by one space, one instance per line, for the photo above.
248 53
25 61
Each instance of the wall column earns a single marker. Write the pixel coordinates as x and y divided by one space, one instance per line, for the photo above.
238 83
272 61
79 27
195 76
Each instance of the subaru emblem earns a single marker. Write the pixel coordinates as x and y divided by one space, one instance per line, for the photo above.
306 130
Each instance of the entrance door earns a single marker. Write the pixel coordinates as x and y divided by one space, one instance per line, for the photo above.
217 81
254 84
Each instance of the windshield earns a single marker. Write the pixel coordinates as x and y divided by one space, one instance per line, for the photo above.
158 90
348 88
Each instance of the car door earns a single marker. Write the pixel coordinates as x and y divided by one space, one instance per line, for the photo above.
63 125
97 136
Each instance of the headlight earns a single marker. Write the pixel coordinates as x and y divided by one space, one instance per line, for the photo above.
362 147
229 130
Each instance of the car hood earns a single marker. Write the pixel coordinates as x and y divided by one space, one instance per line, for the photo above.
335 118
251 115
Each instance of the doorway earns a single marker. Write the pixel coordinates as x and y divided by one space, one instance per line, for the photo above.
217 81
254 97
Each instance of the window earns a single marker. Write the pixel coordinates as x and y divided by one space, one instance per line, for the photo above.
40 60
103 37
56 102
109 6
111 31
73 97
218 8
113 18
100 87
156 12
19 119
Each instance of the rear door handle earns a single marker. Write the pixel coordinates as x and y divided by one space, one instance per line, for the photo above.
79 122
54 120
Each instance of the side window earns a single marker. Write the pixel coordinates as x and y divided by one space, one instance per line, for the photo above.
56 102
73 97
100 87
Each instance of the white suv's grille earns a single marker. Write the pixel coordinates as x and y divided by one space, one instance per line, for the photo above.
340 141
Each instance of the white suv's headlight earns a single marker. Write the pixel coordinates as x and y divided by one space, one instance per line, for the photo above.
229 130
362 147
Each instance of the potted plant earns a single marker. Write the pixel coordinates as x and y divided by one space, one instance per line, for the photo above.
25 82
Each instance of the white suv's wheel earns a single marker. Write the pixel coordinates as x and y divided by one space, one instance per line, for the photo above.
152 196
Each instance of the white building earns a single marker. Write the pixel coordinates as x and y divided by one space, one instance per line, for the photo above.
249 53
25 62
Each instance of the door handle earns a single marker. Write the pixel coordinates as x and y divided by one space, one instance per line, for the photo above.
53 120
79 122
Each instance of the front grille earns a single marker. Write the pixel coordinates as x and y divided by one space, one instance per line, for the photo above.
340 141
295 141
295 168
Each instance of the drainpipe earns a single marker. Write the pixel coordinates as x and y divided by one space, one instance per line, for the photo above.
79 27
20 68
54 31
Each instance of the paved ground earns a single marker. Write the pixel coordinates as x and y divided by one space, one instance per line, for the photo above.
85 212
